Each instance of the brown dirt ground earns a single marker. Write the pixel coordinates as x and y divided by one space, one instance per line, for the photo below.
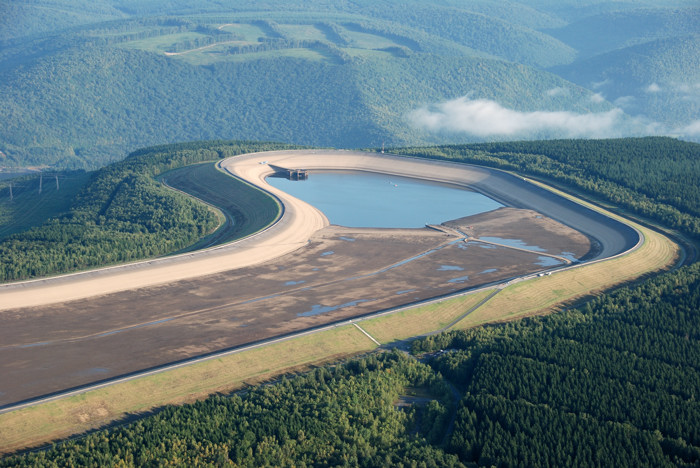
341 273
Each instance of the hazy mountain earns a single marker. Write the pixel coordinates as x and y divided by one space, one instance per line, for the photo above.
659 80
82 83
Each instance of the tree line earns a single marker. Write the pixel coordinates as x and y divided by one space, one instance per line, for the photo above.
121 214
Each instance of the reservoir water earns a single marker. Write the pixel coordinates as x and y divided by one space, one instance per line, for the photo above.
363 199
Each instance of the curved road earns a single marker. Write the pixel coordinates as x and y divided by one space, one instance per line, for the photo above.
300 220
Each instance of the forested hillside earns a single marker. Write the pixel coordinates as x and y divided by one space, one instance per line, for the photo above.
647 79
121 213
605 32
111 76
613 383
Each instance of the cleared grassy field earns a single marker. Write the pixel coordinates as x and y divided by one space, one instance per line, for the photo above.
161 43
365 40
60 419
302 32
30 208
250 32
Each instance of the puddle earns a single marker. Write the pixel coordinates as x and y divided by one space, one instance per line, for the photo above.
405 291
325 254
461 279
547 261
314 269
490 270
570 256
319 309
462 245
487 246
513 243
424 254
450 268
294 283
349 239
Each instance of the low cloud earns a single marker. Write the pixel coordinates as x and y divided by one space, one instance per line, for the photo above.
558 91
691 130
597 98
624 101
653 88
486 118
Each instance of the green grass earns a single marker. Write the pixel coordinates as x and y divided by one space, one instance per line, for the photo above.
161 43
363 40
214 54
303 32
417 321
29 208
250 32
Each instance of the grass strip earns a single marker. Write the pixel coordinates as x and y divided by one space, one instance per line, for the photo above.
420 320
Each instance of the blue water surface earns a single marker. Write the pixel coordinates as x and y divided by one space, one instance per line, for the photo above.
363 199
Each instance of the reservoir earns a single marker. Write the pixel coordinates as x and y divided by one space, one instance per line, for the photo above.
365 199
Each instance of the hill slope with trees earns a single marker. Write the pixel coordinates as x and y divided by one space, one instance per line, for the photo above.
112 76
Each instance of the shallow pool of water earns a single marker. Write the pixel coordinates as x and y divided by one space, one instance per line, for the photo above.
361 199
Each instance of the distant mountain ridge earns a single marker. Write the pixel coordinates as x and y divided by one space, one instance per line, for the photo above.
82 83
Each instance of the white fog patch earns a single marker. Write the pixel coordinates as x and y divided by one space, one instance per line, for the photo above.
624 101
653 88
691 130
597 98
486 118
600 84
558 91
